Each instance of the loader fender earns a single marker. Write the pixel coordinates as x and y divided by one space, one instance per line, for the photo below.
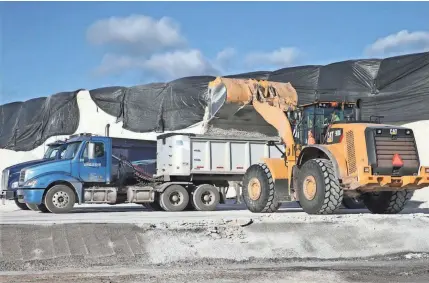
319 151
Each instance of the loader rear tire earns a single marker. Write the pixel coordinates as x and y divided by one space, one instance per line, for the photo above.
319 191
258 190
387 202
353 203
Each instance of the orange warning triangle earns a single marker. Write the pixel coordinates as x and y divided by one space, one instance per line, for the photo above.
397 161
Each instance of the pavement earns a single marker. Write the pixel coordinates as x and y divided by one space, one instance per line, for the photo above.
127 243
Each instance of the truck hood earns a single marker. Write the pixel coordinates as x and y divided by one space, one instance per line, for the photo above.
63 166
17 167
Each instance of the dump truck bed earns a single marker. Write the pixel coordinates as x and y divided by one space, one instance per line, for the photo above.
188 154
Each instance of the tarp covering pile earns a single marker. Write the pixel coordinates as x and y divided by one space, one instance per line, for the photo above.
26 125
396 88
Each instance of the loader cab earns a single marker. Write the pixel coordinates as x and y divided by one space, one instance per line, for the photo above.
315 118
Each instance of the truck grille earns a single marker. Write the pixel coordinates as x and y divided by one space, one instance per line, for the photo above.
384 143
4 180
21 177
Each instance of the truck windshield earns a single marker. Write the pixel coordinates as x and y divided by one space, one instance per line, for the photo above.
71 150
51 152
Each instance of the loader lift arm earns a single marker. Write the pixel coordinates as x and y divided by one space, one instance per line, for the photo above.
272 100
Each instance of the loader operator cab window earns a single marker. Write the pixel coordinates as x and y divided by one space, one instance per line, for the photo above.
316 119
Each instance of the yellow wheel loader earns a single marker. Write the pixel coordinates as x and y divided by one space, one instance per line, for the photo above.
330 153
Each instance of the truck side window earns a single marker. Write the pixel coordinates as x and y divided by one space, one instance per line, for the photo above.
98 150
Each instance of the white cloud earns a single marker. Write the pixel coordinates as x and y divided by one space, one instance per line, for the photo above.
166 66
172 65
225 55
140 31
399 43
281 57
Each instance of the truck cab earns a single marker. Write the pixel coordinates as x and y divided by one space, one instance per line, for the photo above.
89 171
10 175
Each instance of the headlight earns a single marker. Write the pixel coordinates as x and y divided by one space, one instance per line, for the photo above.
14 185
31 183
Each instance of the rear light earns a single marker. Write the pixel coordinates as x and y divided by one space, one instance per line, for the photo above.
341 138
397 161
366 169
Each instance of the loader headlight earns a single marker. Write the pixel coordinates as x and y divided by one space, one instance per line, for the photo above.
427 170
31 183
14 185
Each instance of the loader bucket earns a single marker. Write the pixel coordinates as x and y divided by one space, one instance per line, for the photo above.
230 104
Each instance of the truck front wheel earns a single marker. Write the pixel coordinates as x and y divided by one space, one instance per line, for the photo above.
319 191
60 199
20 205
259 190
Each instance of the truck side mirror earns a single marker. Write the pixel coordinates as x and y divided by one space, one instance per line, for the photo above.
91 150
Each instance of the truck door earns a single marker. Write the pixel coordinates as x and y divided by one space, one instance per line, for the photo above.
94 170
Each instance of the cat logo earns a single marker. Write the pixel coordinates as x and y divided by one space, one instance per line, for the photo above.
393 132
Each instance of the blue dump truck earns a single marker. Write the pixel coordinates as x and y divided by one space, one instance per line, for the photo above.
10 175
174 173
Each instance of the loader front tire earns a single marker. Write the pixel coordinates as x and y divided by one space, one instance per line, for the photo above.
258 190
387 202
319 191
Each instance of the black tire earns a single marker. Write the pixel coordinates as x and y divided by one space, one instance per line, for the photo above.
328 194
60 199
205 198
42 207
267 201
387 202
20 205
33 207
155 206
353 203
167 201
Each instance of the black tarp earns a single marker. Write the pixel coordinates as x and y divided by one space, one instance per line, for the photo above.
26 125
396 88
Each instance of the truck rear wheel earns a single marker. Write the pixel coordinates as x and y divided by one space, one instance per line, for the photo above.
258 189
174 198
319 191
60 199
205 198
20 205
387 202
